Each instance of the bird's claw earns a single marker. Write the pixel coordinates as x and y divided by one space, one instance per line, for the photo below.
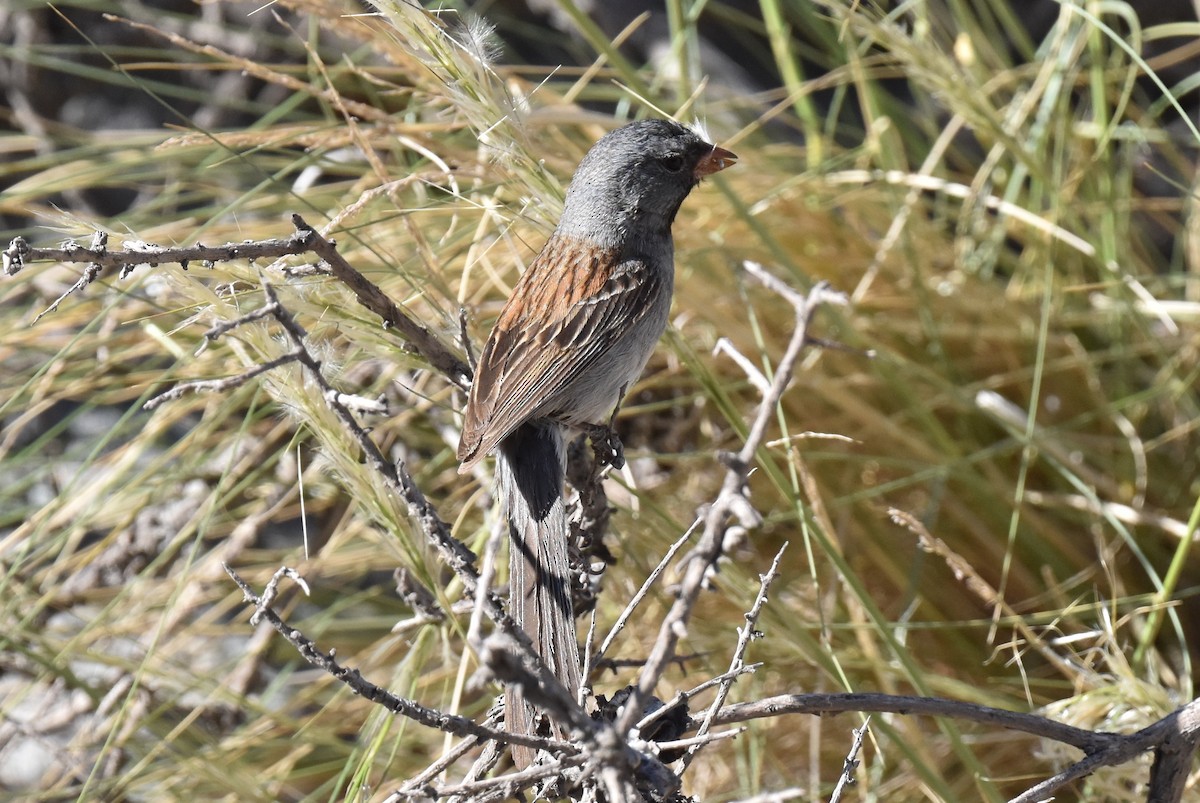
606 445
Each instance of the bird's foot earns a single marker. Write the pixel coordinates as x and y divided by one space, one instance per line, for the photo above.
606 446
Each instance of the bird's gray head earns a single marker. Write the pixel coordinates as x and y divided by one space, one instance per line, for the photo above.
632 182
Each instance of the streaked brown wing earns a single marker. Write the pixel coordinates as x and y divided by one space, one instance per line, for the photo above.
563 315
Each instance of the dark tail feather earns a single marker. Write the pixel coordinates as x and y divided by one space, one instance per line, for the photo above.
531 470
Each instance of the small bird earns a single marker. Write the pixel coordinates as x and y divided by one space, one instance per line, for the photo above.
576 332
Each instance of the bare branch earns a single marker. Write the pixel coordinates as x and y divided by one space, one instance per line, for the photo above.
500 787
221 385
90 274
1175 736
694 743
1085 740
1174 739
851 763
419 336
100 258
731 501
138 253
681 697
1173 758
418 784
637 598
736 663
448 723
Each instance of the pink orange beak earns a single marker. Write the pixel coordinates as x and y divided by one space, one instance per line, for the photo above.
714 161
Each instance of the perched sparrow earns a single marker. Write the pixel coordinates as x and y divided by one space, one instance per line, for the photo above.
575 333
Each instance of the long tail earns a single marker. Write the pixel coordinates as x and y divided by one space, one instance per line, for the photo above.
531 469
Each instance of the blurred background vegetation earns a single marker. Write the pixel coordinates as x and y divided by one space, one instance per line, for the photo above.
998 506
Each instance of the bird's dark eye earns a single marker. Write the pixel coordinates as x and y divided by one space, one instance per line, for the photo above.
674 162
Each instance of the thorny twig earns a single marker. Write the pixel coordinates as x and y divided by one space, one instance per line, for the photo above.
305 239
370 296
681 697
864 702
223 385
850 764
637 598
500 787
746 633
731 500
694 743
420 782
1178 733
448 723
